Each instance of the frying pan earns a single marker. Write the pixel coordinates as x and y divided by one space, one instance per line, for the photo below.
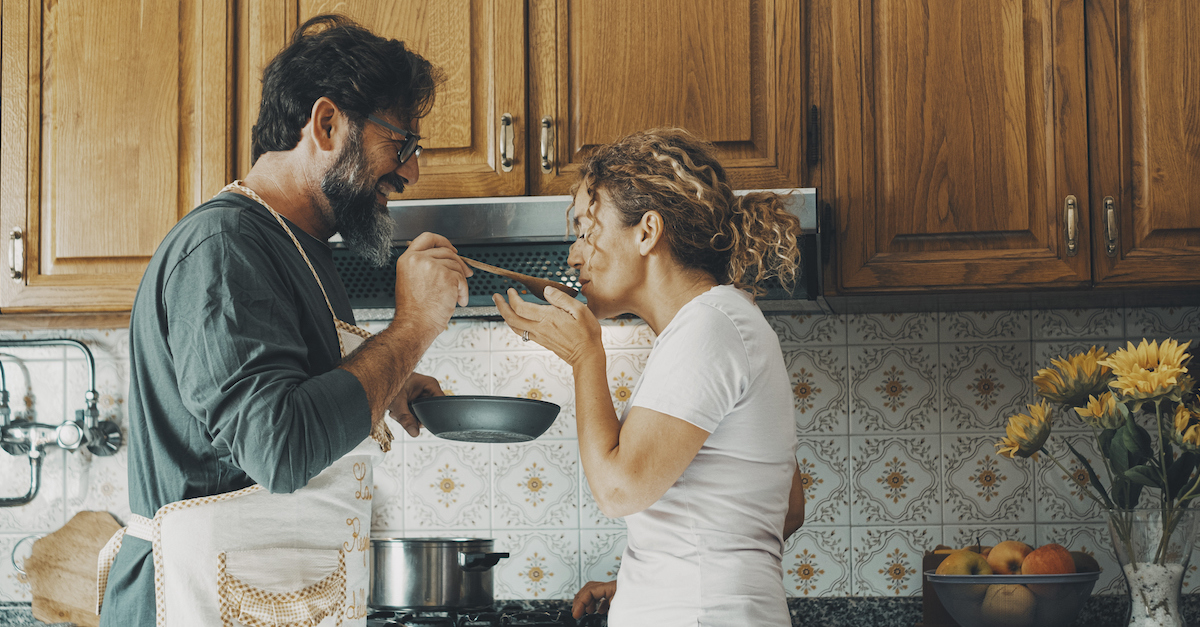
485 418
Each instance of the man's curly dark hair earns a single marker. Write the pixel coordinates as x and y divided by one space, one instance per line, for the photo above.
332 56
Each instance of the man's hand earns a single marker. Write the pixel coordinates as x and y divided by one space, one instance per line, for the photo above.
593 598
416 386
430 279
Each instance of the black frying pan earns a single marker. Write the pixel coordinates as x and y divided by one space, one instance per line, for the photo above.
485 418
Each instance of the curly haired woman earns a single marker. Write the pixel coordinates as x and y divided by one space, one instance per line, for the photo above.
702 465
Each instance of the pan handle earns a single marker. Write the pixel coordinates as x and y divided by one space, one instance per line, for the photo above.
475 562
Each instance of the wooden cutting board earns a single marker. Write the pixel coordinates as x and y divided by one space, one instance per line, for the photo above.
62 569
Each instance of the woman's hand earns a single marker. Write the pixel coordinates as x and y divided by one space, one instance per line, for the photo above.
416 386
565 326
593 598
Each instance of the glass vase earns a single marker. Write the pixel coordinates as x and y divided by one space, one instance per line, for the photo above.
1153 546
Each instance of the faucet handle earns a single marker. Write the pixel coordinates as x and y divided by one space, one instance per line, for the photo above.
69 436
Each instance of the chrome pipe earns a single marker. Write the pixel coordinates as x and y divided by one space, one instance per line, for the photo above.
35 481
91 415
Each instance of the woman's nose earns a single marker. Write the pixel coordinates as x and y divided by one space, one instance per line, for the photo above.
574 257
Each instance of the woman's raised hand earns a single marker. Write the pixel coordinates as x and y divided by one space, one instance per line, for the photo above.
565 326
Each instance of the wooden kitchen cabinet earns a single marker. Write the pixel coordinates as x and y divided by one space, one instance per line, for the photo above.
959 139
731 71
116 123
479 44
1144 142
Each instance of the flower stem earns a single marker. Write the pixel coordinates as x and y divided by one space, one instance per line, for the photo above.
1070 475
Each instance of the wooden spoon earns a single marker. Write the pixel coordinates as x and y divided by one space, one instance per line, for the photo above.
535 285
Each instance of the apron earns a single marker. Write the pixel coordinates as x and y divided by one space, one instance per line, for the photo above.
256 559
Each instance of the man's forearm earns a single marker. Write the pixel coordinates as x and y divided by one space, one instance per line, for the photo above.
384 362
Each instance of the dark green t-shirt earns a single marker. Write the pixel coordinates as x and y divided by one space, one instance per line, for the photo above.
233 374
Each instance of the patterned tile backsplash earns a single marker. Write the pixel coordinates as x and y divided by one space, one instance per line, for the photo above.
897 417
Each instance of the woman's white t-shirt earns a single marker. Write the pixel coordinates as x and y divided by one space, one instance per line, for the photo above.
708 553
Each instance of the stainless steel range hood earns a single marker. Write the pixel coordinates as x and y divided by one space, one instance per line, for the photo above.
530 234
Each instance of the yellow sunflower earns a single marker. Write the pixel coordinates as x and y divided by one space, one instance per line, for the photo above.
1182 418
1026 433
1072 380
1149 370
1192 436
1101 412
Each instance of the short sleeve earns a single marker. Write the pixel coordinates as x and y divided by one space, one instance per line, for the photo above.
697 370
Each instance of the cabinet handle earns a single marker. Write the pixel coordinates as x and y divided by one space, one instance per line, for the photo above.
1072 226
16 255
1110 226
547 145
506 143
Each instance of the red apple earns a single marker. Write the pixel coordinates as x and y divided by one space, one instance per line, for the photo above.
1048 559
1006 558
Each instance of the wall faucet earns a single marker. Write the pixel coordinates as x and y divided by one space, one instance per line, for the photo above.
29 438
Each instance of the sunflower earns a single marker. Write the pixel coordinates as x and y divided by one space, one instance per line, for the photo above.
1026 433
1074 379
1101 412
1149 370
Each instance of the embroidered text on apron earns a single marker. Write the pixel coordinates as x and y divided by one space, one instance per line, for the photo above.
258 559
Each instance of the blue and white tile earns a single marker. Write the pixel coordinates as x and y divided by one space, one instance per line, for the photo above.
1060 324
541 565
988 326
504 339
895 480
95 483
983 486
960 536
464 335
897 328
387 503
820 395
983 384
893 389
816 562
37 390
14 585
590 516
459 374
809 330
626 333
446 486
536 485
46 512
825 470
103 343
600 554
1091 538
1063 495
624 369
1179 323
887 560
540 376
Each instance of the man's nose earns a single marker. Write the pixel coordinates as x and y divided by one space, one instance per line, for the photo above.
410 170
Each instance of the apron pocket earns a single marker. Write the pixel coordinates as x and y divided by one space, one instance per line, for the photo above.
281 587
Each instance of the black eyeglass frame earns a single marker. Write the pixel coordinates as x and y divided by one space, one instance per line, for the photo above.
409 149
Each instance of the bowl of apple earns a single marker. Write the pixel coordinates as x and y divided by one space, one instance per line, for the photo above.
1014 585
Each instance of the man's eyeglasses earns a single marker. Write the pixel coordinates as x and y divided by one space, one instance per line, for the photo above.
410 147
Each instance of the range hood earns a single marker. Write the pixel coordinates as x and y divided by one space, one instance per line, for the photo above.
531 235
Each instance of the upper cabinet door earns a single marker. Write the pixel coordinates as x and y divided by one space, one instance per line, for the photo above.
1145 100
727 70
959 143
115 126
473 138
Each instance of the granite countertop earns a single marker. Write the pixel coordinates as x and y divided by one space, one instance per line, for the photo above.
1100 611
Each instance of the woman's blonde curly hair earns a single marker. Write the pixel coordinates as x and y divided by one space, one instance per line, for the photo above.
739 240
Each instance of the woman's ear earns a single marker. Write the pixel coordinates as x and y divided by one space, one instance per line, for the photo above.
649 231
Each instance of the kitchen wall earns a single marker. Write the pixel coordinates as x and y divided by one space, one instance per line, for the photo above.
897 417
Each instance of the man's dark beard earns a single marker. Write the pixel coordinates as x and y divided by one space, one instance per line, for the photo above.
364 224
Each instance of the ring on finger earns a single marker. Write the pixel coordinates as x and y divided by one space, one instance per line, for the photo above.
525 335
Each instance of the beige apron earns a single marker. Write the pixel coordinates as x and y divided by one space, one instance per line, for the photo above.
258 559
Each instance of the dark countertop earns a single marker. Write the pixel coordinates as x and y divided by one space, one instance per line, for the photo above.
1100 611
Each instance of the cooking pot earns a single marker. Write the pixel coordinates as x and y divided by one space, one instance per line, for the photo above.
431 574
485 418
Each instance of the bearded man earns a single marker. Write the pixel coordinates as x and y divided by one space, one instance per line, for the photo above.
256 407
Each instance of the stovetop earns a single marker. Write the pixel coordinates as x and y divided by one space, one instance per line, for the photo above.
509 616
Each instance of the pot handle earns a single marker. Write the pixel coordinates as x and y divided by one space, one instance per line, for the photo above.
475 562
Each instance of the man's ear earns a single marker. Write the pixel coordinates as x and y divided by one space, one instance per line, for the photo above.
649 231
324 123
